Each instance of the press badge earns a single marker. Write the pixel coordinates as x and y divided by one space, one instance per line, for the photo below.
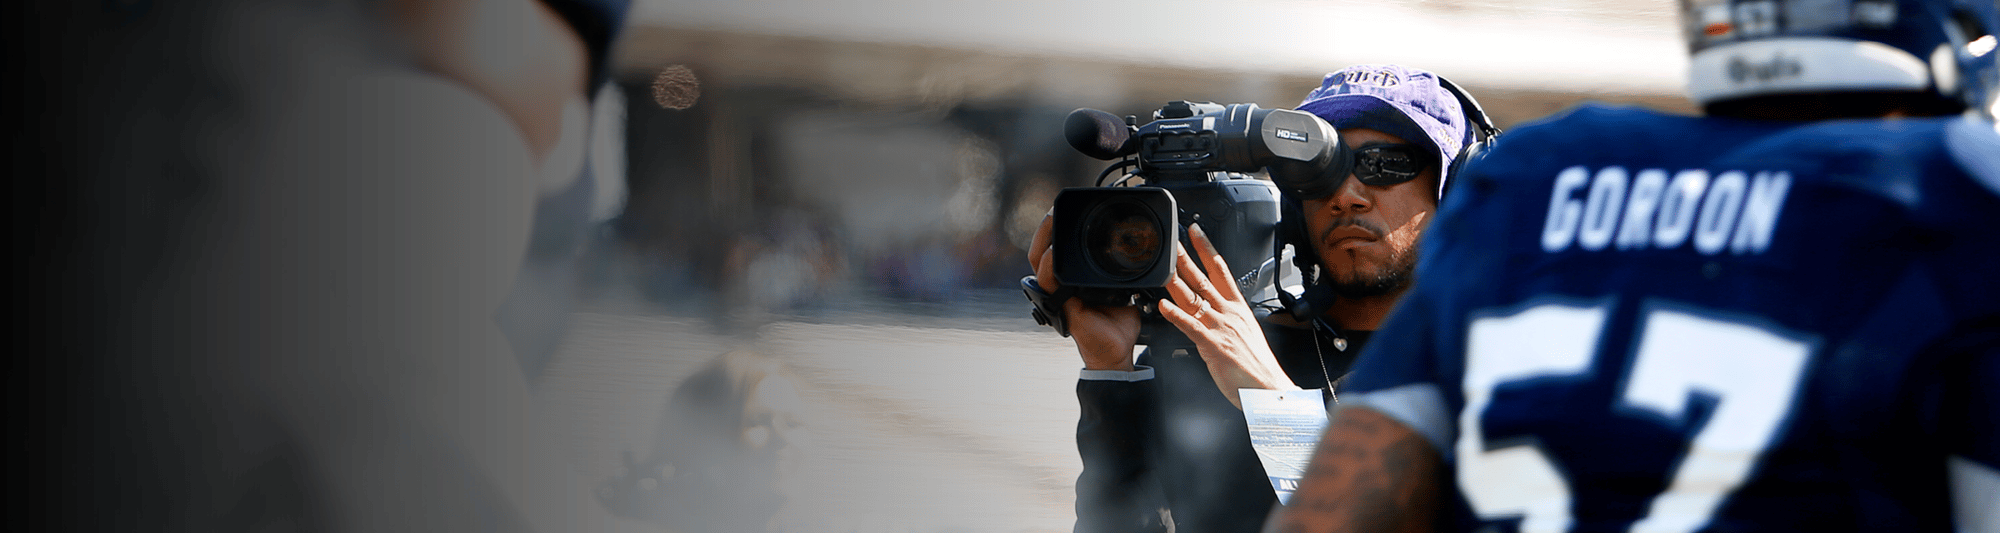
1284 428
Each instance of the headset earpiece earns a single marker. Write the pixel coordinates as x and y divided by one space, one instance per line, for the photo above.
1465 155
1479 133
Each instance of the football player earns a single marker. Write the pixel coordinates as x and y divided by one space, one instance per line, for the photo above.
1777 317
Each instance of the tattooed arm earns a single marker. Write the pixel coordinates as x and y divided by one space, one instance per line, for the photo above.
1370 473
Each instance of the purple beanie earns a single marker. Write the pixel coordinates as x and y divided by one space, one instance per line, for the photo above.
1394 99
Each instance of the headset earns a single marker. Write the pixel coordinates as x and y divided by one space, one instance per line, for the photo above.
1479 129
1480 132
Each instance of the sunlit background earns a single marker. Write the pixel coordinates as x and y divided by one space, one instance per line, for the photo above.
908 147
852 188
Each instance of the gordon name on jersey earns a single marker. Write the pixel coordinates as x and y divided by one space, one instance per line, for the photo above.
1613 208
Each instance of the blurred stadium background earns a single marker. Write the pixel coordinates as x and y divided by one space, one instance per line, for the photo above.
908 147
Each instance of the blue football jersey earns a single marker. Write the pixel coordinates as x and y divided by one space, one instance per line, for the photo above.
1630 321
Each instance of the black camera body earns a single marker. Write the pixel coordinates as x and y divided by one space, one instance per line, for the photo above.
1196 163
1114 241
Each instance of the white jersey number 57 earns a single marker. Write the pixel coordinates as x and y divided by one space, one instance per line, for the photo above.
1752 371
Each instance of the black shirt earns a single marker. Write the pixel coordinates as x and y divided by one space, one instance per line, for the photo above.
1173 448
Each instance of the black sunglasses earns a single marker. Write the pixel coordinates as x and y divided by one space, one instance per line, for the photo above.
1379 165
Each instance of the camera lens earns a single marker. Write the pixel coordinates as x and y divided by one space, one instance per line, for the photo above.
1123 238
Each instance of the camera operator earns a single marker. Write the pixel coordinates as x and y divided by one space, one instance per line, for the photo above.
1161 449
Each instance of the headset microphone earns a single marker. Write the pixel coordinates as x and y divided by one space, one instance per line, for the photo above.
1099 134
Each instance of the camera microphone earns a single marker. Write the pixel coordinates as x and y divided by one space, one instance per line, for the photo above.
1099 134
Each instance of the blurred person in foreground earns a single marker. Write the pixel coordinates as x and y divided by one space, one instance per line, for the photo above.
1164 443
1766 319
298 222
726 454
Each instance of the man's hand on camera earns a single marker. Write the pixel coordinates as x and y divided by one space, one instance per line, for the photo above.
1104 336
1213 313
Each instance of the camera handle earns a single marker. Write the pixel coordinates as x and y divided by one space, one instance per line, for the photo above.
1048 307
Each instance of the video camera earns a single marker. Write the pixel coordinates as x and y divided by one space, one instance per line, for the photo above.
1194 162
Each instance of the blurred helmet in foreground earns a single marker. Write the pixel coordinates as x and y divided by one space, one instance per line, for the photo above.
1749 48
